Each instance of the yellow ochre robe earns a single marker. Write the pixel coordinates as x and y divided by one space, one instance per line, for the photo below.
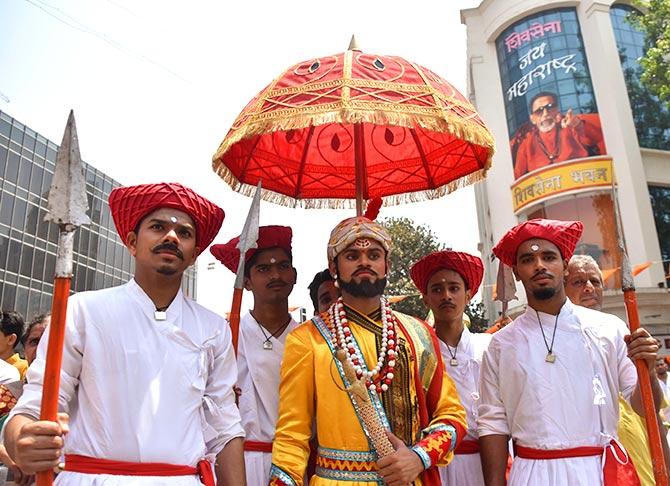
429 419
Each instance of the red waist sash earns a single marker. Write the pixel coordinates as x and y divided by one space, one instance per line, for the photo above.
618 469
467 447
257 446
93 465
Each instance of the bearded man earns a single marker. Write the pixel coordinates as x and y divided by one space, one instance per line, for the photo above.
398 359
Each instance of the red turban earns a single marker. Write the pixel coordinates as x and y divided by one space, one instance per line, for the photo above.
130 204
268 237
469 267
563 234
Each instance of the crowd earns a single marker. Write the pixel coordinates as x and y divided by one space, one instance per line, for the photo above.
153 391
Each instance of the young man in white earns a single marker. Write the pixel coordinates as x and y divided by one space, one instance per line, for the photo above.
270 276
147 376
447 281
551 379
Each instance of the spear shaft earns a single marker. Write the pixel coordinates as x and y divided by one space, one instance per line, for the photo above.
643 375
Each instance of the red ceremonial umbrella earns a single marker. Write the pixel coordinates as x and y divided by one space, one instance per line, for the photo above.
355 126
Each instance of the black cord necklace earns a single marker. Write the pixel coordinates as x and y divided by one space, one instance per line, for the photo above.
551 357
453 361
267 344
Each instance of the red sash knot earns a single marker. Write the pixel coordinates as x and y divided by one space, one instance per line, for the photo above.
618 469
93 465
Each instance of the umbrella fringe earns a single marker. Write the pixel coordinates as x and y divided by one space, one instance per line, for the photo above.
332 203
466 129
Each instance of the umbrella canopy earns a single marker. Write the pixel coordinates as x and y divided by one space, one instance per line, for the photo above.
351 125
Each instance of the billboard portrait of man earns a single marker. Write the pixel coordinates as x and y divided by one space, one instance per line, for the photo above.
551 136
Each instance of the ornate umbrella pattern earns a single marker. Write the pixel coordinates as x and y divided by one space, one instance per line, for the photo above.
331 128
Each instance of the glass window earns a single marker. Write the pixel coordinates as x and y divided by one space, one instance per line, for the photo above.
8 296
14 256
34 307
5 127
51 153
49 267
36 179
26 261
3 160
599 239
22 300
6 207
4 250
54 232
31 219
660 204
12 167
45 300
41 146
19 213
29 142
42 226
38 264
17 134
46 182
652 118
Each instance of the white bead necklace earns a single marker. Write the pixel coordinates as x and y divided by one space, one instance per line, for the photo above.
378 378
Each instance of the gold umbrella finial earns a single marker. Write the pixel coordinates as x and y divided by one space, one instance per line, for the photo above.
353 46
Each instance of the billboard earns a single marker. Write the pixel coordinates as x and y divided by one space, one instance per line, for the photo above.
551 111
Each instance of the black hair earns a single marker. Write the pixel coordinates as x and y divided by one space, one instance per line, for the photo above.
12 323
540 95
254 258
319 278
38 319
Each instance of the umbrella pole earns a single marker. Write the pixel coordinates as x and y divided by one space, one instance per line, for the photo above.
359 163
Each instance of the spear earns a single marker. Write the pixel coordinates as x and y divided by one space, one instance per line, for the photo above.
504 292
67 206
643 377
248 240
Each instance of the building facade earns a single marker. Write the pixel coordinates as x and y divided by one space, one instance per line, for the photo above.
558 84
28 244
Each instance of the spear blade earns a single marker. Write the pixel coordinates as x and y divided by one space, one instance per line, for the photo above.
67 201
505 286
249 235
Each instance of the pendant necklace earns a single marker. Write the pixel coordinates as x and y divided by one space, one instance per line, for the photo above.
160 314
453 361
551 156
267 344
551 357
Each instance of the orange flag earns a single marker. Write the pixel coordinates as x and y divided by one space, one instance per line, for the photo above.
638 269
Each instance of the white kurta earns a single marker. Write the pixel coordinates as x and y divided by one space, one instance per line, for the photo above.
466 469
8 373
570 403
141 390
258 379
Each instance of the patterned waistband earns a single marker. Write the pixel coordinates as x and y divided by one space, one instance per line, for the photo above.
341 465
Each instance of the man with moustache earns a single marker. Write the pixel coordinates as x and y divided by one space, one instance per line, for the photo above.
147 374
551 380
322 291
447 281
553 137
584 286
397 357
270 276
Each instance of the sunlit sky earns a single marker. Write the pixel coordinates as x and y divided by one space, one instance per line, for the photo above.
155 85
